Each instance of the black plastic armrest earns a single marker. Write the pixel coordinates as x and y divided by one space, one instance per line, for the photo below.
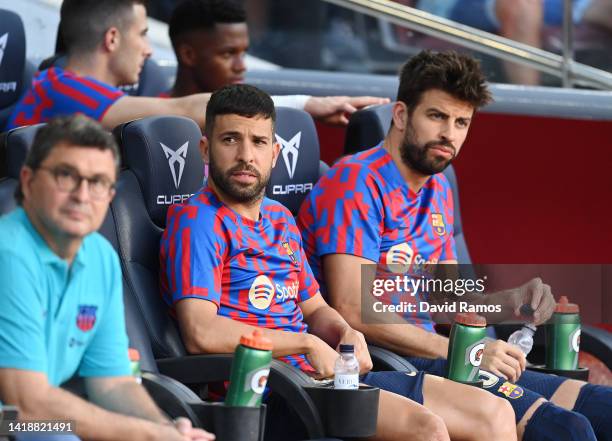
285 381
172 397
385 360
597 342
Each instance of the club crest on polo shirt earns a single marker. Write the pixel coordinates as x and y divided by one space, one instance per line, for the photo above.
86 317
437 222
290 252
510 390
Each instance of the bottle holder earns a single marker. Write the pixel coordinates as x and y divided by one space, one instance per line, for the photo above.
478 383
231 423
575 374
346 413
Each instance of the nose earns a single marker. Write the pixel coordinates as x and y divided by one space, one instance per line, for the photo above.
239 66
81 192
148 50
244 152
448 131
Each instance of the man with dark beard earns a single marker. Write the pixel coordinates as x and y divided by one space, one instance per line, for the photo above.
390 207
232 261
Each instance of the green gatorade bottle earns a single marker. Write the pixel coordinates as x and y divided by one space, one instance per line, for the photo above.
466 347
250 370
563 336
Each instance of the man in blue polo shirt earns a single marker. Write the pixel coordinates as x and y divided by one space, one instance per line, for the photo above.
61 308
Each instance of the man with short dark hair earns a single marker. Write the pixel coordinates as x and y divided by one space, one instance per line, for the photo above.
106 43
390 206
232 260
61 303
210 39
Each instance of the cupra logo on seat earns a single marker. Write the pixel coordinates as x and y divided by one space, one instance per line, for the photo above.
3 41
175 157
290 151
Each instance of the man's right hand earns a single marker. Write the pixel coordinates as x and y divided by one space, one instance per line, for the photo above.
321 357
504 360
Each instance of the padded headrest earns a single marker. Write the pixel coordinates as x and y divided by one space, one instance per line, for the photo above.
297 167
14 147
164 154
367 127
12 57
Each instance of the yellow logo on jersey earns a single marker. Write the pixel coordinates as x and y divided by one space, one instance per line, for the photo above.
290 252
437 222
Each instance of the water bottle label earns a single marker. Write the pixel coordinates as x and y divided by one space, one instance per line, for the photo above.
575 341
259 380
346 381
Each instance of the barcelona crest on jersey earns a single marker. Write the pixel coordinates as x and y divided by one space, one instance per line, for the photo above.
86 318
437 222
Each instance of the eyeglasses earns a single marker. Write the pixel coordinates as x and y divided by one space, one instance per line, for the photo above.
69 180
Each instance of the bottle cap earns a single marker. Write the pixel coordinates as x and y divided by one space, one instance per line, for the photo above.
256 340
347 348
134 354
470 319
526 310
565 307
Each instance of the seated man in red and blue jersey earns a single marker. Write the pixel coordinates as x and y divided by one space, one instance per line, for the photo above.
232 260
391 206
107 45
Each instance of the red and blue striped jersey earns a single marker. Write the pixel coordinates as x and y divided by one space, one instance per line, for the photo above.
255 272
57 92
363 207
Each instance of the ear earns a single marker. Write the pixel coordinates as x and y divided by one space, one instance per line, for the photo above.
25 179
204 149
400 116
186 55
275 153
112 39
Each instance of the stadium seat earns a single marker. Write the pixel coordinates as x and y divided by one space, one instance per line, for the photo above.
298 166
366 128
163 166
15 71
14 146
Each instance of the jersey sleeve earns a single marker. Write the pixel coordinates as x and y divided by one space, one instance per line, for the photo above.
107 353
22 334
344 215
71 94
193 251
449 248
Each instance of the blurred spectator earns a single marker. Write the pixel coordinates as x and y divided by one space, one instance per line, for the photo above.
61 301
107 45
519 20
211 38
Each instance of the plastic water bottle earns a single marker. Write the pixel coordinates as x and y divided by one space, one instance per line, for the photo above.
523 338
346 369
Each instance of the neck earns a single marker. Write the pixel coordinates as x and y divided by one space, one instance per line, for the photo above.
185 84
91 65
413 178
63 245
249 210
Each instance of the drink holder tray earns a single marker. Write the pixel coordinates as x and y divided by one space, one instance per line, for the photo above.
346 413
232 423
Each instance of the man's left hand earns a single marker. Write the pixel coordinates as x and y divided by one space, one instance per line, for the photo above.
336 109
356 338
535 293
183 425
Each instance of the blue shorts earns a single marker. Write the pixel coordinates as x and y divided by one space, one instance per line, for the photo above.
542 384
406 384
481 13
